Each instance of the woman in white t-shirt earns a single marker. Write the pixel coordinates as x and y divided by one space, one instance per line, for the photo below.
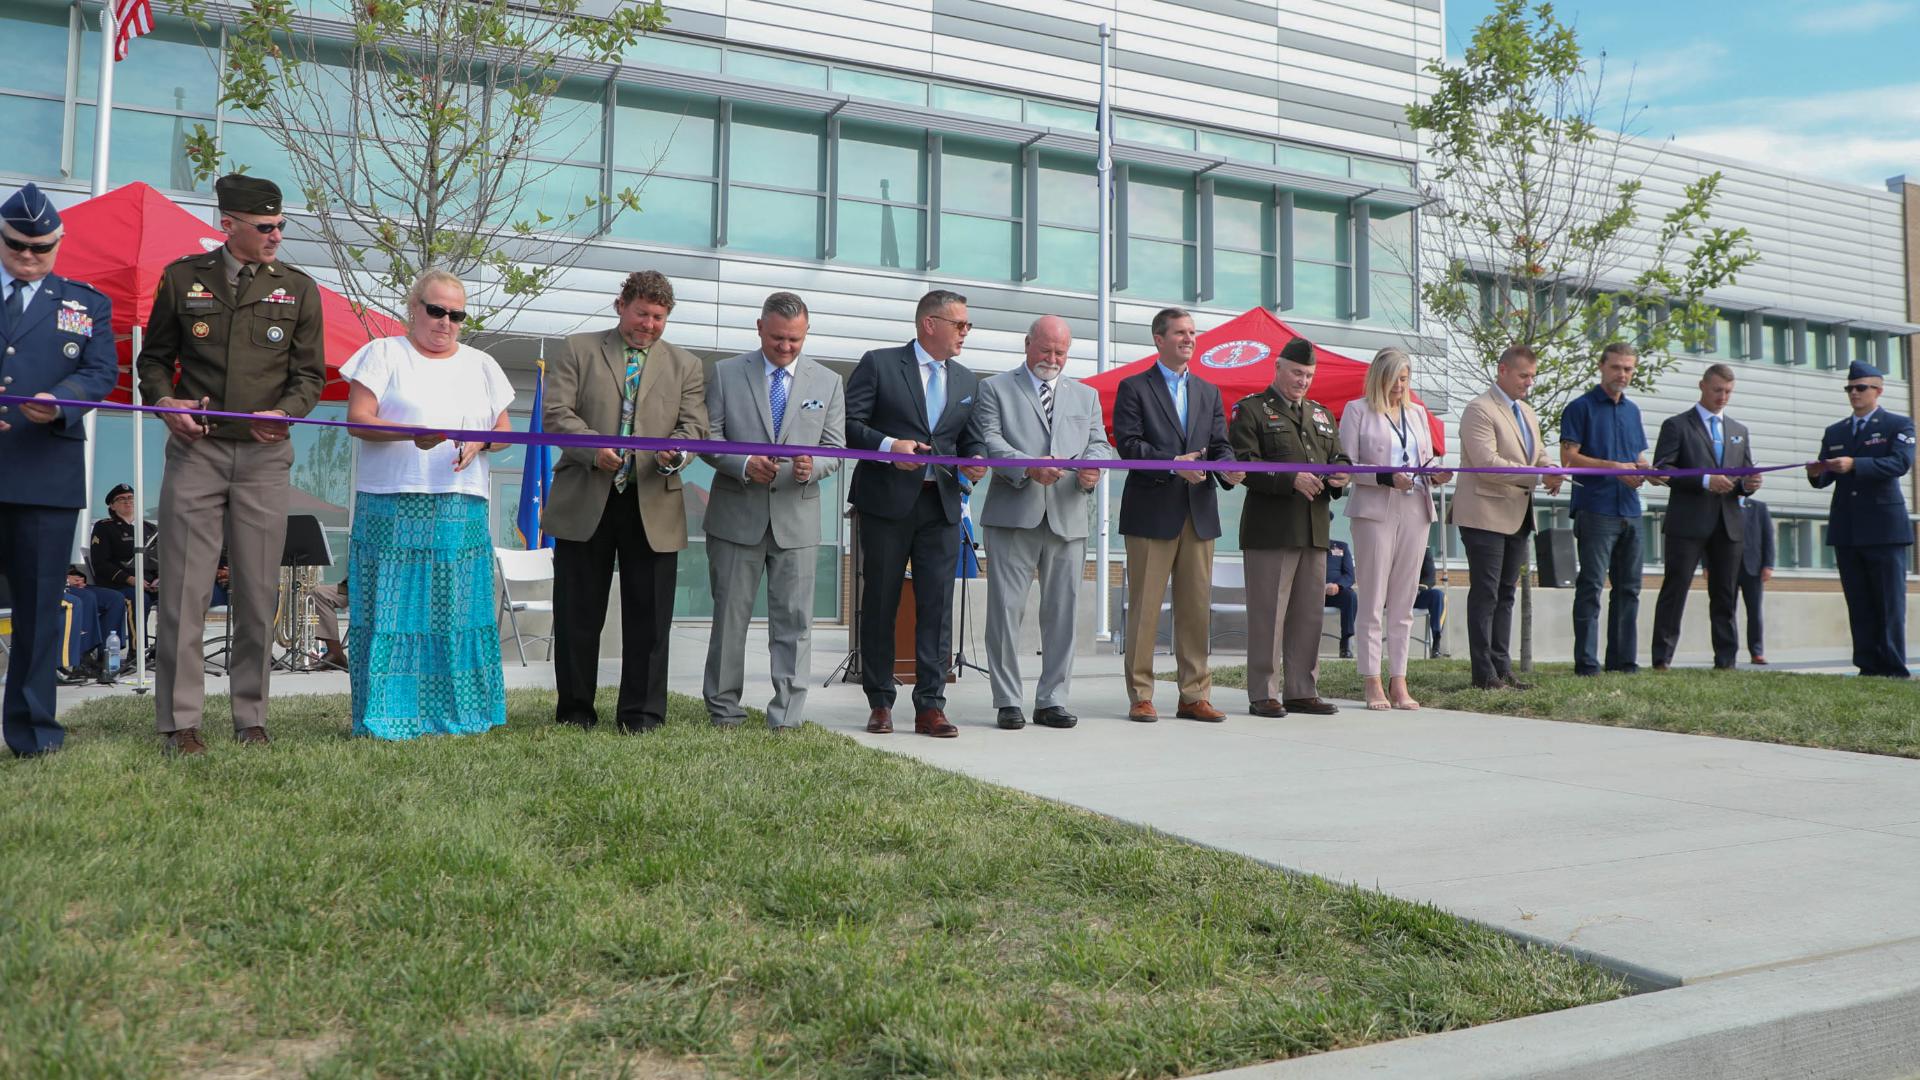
423 646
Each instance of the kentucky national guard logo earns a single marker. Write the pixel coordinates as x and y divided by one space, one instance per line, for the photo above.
275 333
201 329
1233 354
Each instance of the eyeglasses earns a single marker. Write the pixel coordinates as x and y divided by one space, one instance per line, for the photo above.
266 228
1860 387
958 324
37 249
435 311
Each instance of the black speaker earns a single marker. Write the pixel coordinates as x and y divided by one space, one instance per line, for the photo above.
1553 551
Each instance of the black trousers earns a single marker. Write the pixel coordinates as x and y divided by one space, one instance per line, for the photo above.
1722 553
1494 561
582 578
1349 606
932 544
35 542
1874 579
1752 592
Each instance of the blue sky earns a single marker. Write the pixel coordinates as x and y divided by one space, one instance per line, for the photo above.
1824 89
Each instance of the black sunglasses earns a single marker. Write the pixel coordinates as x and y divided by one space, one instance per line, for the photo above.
37 249
435 311
1852 388
268 228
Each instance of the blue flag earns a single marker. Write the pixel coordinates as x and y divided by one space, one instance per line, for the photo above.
535 475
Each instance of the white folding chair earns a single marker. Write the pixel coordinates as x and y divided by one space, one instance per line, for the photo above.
1230 579
524 568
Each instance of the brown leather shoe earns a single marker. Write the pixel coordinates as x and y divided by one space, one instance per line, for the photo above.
1270 707
933 722
1314 706
880 722
185 743
1200 710
1141 712
253 736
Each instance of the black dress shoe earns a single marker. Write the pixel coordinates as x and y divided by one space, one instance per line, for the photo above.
1269 707
1346 651
1054 716
1312 706
1011 718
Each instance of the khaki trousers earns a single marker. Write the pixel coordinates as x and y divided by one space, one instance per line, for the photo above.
214 491
1289 583
1186 561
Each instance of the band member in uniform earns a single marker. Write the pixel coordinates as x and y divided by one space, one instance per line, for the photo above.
233 330
1283 534
1865 457
111 547
56 341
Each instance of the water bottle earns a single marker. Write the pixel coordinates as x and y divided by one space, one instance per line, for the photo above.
113 655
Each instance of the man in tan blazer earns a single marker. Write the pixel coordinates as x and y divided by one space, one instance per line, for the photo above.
1495 510
609 506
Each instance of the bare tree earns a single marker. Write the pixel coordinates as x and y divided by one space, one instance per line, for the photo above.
416 137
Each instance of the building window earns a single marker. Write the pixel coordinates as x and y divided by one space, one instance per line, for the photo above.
776 159
1390 268
982 193
1244 246
880 203
1322 259
1780 337
1159 235
1067 223
665 147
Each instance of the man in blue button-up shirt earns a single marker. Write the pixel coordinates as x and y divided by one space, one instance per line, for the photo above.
1601 429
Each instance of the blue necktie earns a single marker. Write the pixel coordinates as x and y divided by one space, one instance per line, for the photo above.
1526 437
16 301
1858 422
936 400
1180 400
777 398
1719 446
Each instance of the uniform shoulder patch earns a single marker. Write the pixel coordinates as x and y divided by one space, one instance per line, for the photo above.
85 285
294 270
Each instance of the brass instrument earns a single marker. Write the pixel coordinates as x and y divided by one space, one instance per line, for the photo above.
296 627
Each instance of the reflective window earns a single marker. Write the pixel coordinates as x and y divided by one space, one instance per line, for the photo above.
1158 204
1161 256
980 177
1322 259
879 234
36 35
1320 232
773 69
149 147
879 87
1159 270
1239 149
672 211
1069 191
1064 117
975 247
1321 291
667 133
167 69
776 147
1068 258
1382 172
881 190
571 123
24 144
1313 161
1152 134
653 50
774 222
1241 280
977 103
1391 258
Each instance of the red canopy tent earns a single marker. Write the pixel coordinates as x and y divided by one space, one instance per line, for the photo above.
120 241
1239 357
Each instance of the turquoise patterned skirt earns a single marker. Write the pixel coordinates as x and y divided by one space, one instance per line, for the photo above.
424 646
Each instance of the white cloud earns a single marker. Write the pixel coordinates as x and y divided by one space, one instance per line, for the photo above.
1858 136
1856 18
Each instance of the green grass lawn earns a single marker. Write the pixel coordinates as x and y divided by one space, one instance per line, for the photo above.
1836 712
542 901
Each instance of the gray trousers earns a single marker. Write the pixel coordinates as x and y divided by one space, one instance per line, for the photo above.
1014 556
1286 591
214 491
735 571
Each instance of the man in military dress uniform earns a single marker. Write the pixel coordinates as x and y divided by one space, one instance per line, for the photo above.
1283 533
244 331
111 547
56 341
1864 458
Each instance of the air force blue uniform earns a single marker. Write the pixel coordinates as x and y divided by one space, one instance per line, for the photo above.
1870 534
59 342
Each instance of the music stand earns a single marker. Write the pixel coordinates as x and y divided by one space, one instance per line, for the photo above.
969 561
306 543
848 669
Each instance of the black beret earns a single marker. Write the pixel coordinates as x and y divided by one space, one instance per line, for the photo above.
118 490
247 194
1299 351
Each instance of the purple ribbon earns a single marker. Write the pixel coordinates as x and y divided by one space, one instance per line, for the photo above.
595 441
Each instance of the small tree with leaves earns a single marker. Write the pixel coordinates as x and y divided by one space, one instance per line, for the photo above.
1539 237
410 137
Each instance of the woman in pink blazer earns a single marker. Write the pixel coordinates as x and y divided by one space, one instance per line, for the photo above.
1391 513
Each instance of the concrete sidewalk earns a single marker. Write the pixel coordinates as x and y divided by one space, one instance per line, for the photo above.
1780 886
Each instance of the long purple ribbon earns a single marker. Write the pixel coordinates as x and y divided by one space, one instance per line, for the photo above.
597 441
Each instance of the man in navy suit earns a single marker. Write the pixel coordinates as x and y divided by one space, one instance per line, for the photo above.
56 341
1864 458
1340 593
1703 516
1756 569
912 399
1171 519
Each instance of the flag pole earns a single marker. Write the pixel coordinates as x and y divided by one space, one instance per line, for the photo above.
1103 600
139 642
102 139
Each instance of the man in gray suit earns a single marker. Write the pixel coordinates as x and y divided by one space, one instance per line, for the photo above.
1036 519
763 515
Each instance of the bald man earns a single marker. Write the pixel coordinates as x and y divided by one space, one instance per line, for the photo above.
1036 518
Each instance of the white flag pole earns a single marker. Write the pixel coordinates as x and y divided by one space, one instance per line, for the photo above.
139 642
1103 336
102 138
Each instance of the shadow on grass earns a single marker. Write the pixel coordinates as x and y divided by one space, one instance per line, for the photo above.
543 901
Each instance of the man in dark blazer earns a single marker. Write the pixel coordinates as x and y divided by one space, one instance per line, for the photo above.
912 399
56 341
1340 593
1171 519
1756 569
1703 516
1865 457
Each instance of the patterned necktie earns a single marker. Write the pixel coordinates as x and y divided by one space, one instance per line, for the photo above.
1046 404
16 301
777 398
636 360
1719 445
936 400
1526 436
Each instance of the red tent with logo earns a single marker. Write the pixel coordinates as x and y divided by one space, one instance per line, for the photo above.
119 243
1239 357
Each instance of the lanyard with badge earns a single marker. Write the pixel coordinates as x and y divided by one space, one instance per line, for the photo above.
1403 431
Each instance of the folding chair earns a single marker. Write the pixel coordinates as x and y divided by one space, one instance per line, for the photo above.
524 568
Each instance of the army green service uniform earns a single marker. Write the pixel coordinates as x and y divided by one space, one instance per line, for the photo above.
1283 537
248 338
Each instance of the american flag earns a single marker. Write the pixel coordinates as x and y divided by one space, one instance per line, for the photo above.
131 18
